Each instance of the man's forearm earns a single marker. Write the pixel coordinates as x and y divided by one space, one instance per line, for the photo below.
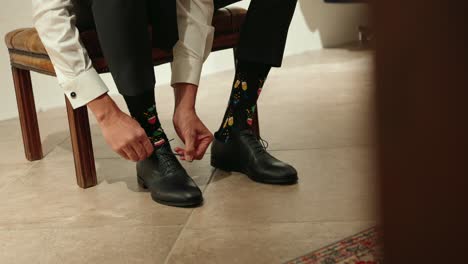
185 96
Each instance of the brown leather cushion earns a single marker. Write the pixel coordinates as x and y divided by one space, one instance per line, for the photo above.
27 50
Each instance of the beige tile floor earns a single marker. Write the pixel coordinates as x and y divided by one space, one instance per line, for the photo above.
316 114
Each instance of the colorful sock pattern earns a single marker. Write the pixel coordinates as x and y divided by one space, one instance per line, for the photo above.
248 83
143 109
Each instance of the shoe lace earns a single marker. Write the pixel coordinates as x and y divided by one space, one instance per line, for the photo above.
257 143
167 158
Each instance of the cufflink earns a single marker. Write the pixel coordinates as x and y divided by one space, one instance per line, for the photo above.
73 94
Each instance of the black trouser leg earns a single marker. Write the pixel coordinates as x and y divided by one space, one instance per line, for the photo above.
264 33
122 27
262 43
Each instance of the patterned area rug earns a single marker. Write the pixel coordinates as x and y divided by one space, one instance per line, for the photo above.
362 248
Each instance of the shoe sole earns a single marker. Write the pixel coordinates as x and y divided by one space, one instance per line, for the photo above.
226 166
142 184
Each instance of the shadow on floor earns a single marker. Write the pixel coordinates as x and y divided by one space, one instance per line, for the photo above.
107 169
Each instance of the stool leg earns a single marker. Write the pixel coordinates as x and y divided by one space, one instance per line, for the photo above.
82 145
255 124
27 114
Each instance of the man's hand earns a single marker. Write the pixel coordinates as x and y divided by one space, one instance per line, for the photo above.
121 132
193 133
188 126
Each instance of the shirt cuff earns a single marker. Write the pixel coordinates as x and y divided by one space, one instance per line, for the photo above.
186 70
84 88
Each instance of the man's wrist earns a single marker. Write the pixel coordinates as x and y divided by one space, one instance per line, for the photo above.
185 96
103 107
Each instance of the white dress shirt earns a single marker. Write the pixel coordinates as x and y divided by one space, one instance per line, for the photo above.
55 23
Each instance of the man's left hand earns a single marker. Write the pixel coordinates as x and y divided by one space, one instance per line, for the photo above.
193 133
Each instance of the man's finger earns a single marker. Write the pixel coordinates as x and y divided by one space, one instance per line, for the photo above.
123 154
130 153
148 147
190 147
179 149
203 145
139 150
181 152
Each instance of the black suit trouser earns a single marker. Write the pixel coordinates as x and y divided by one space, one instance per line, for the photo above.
265 30
123 34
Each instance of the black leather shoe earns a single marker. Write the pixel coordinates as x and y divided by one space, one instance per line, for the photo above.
167 180
244 153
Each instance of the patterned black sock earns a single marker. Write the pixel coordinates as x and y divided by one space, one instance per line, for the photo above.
143 109
248 84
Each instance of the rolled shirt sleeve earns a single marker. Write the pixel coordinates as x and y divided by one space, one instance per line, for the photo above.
194 18
55 24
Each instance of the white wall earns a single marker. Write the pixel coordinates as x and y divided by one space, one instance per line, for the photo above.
315 25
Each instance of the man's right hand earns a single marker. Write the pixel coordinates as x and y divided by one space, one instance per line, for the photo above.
121 132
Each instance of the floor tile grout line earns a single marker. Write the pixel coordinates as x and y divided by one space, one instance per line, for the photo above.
5 228
57 145
274 150
210 179
282 150
263 223
324 148
188 219
178 237
366 224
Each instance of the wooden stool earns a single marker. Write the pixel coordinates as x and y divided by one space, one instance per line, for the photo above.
27 53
